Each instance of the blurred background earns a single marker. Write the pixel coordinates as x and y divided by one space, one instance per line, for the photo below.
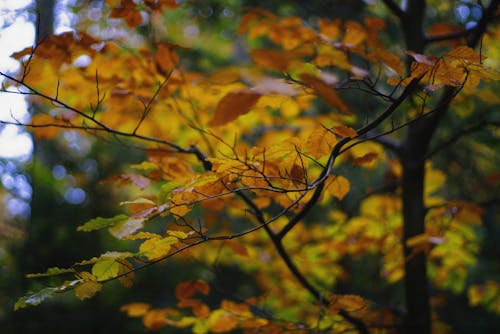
49 188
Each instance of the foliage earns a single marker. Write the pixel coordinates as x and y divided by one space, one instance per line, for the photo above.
262 164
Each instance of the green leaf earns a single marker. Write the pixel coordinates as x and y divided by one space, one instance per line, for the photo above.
166 190
106 269
35 298
145 166
52 272
99 223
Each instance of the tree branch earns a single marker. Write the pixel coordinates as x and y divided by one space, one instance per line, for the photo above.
394 8
458 135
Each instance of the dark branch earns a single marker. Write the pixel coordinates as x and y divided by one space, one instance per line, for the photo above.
394 8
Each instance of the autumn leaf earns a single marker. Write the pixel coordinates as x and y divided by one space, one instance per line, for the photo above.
327 92
271 59
320 142
156 248
87 289
349 303
128 11
106 269
135 309
165 57
46 126
338 186
155 319
233 105
187 289
99 223
237 247
344 131
52 272
365 159
222 321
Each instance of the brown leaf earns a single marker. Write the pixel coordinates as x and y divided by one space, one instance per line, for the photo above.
367 158
237 248
271 59
344 131
327 92
187 289
127 10
165 57
232 105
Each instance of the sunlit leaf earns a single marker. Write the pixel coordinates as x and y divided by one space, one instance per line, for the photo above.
157 247
232 105
106 269
126 227
99 223
52 272
35 298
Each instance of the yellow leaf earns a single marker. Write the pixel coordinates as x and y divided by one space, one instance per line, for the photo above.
327 92
338 186
232 105
135 309
177 234
344 131
105 269
87 289
222 321
157 248
417 240
349 303
320 142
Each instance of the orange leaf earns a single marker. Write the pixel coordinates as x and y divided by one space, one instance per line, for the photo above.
232 105
344 131
127 10
237 248
326 92
155 319
46 127
165 57
135 309
354 35
367 158
338 186
187 289
320 142
271 59
465 53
